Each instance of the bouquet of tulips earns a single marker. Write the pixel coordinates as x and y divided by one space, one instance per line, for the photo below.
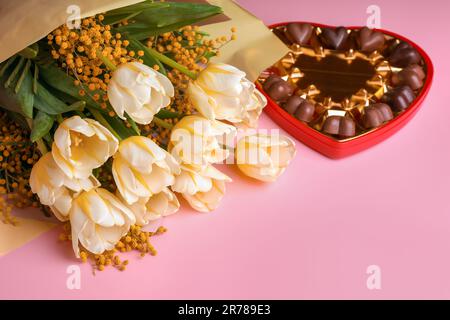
108 124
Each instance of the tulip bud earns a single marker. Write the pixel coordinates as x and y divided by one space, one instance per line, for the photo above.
203 188
222 92
139 91
142 169
81 145
264 157
98 220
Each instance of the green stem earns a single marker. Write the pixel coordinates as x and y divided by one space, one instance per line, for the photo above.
59 118
133 124
41 146
98 116
171 63
108 63
161 123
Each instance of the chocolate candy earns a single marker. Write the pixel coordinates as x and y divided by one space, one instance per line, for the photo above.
305 112
411 76
400 98
376 114
341 126
334 38
271 80
404 55
277 88
300 108
292 104
370 40
299 33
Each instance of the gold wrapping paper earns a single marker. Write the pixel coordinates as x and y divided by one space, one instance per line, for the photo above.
256 47
13 237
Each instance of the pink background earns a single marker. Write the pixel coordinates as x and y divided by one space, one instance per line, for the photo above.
314 232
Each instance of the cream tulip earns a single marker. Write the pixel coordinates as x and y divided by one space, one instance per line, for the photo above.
198 141
54 188
157 206
140 91
81 145
264 157
98 220
142 169
203 188
222 92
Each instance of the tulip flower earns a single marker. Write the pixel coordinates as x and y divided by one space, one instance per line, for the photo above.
54 188
203 188
264 157
222 92
142 169
140 91
98 220
81 145
198 141
157 206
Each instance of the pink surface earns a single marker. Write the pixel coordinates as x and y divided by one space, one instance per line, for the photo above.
314 232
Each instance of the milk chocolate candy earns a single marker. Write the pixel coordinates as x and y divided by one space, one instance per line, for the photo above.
271 80
376 114
277 88
400 98
292 104
299 33
334 38
404 55
370 40
411 76
305 112
341 126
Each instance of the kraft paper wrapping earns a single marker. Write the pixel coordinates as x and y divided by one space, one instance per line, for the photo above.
13 237
256 47
25 22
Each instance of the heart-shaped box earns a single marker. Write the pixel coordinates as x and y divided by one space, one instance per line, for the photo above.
335 148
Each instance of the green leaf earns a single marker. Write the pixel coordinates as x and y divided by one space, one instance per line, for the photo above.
45 101
59 80
166 114
22 76
6 64
35 78
158 20
148 58
22 102
30 52
42 124
141 6
25 95
118 125
116 18
13 75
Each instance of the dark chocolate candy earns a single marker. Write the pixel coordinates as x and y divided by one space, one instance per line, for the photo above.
411 76
342 126
404 55
277 88
376 114
299 33
334 38
292 104
400 98
385 111
370 40
271 80
305 112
